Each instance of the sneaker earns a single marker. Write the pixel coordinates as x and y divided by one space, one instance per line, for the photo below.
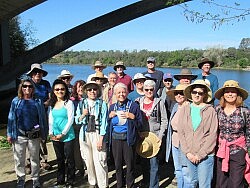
20 183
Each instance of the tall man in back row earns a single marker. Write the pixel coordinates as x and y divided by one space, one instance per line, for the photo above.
155 74
205 65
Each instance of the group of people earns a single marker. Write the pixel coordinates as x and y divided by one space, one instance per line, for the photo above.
131 119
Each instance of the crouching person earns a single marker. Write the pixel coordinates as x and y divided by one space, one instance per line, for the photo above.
124 120
91 113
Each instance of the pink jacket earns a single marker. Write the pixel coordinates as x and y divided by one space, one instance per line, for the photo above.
223 152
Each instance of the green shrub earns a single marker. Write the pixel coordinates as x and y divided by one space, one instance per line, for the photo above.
4 144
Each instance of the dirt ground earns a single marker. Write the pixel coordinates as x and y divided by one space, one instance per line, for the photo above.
48 178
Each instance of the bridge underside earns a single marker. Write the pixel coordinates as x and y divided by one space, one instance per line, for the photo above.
48 49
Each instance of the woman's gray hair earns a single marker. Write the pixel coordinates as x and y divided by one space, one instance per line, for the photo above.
149 83
120 85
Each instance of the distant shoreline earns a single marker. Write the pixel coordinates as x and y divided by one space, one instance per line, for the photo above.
174 67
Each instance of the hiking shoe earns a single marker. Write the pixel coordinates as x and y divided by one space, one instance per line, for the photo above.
28 169
20 183
46 166
36 184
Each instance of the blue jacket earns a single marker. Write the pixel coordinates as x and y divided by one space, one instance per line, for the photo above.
133 125
12 126
169 132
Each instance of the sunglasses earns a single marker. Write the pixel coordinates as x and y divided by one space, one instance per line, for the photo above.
168 80
59 89
37 72
178 93
66 78
91 89
149 90
197 92
27 86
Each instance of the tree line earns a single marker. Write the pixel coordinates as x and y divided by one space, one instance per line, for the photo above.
230 58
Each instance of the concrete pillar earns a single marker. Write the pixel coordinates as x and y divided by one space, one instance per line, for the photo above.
4 43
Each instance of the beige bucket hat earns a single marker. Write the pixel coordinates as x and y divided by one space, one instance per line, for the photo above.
98 64
231 84
187 91
179 87
148 146
39 67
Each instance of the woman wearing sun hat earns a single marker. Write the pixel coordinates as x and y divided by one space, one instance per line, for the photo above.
91 113
197 131
234 135
173 141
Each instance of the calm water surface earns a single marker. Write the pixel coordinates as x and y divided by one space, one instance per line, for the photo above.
82 72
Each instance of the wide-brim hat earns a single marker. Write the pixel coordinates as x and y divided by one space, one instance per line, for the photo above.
179 87
118 64
93 84
231 84
206 60
138 76
98 64
186 73
37 66
65 73
148 146
100 75
187 91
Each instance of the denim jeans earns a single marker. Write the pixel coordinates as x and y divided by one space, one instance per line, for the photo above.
177 166
150 169
198 174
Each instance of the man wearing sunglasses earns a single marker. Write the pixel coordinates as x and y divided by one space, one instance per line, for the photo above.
66 76
42 91
155 74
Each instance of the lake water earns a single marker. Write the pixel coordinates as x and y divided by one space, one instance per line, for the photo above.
82 72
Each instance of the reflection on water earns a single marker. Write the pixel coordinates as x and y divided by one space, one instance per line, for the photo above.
82 72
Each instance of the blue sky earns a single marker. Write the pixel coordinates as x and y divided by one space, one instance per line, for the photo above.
164 30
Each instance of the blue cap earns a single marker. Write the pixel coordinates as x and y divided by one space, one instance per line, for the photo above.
167 76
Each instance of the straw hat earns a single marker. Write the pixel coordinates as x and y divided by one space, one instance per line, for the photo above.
100 75
39 67
179 87
119 63
206 60
65 73
148 146
93 84
187 91
185 72
138 76
231 84
98 64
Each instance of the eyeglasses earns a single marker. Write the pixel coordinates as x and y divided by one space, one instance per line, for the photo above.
91 89
149 90
27 86
178 93
66 78
58 89
197 92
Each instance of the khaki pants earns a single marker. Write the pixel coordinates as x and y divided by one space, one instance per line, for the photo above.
19 150
96 161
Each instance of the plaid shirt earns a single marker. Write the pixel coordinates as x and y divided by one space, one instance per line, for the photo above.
232 126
